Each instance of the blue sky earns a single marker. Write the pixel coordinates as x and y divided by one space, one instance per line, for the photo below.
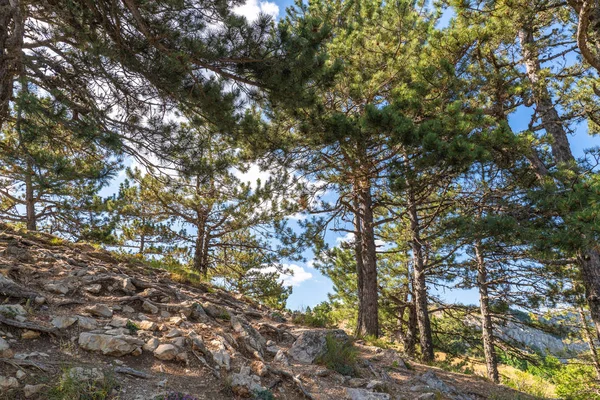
309 286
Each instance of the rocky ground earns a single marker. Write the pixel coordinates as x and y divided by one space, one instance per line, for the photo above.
74 318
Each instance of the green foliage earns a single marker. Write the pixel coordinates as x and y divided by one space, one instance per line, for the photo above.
339 356
132 327
577 382
69 388
318 317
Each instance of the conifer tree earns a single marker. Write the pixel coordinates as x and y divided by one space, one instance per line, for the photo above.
50 172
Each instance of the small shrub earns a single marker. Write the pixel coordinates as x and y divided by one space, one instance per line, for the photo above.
339 356
132 327
264 395
377 342
69 388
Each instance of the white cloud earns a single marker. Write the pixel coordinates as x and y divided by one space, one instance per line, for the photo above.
252 8
347 238
298 274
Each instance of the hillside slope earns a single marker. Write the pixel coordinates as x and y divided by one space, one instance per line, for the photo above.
75 319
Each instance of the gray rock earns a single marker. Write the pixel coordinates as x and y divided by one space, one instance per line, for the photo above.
151 308
94 289
100 310
147 325
12 310
254 341
84 374
166 352
109 345
216 311
86 322
118 322
173 333
63 321
31 390
151 344
5 350
57 288
244 383
432 381
363 394
220 355
426 396
312 343
8 382
281 358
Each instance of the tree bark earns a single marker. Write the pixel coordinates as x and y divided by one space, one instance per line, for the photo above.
30 199
487 327
551 121
420 285
368 306
589 258
11 41
589 338
359 271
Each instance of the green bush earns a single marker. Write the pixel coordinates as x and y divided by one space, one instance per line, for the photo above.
264 395
339 356
318 317
577 382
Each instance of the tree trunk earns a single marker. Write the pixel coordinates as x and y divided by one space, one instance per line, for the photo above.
359 272
589 338
420 285
551 121
410 336
487 327
11 41
368 306
588 259
30 199
589 263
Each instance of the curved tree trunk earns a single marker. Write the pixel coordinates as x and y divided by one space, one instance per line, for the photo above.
589 258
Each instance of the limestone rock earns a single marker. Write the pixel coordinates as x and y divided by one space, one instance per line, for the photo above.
244 384
84 374
57 288
100 310
312 343
5 350
220 355
166 352
31 390
63 321
8 382
151 344
86 322
94 289
173 333
254 341
147 325
109 345
118 322
149 307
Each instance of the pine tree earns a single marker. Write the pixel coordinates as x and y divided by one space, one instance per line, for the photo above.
50 173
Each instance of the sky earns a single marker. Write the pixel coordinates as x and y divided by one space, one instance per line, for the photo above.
309 286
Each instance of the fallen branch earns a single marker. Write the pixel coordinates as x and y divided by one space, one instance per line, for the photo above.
26 363
132 372
294 379
205 363
28 325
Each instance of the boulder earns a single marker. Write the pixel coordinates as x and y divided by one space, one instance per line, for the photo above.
363 394
166 352
151 344
432 381
149 307
147 325
118 322
254 341
86 322
117 346
245 384
57 288
312 343
220 355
